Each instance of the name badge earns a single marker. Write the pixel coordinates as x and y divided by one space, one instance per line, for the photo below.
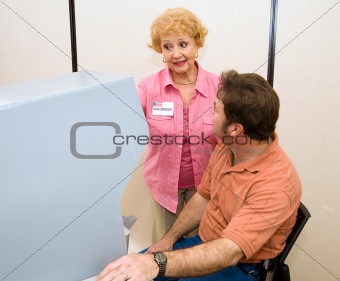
163 108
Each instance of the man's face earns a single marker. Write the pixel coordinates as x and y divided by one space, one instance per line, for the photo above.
219 118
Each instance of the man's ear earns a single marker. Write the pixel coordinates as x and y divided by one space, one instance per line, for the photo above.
236 129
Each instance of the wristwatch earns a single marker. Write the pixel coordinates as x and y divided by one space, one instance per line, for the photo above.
160 259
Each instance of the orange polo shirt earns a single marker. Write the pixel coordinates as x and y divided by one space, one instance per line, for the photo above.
253 204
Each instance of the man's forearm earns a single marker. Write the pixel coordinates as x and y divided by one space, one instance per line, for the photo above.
188 219
203 259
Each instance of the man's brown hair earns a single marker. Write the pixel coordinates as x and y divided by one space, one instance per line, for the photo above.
250 101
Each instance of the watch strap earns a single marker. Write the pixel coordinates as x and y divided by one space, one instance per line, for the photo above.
161 261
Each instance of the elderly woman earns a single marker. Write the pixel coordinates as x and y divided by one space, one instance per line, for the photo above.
176 102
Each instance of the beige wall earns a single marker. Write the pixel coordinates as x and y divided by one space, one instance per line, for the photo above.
307 78
112 37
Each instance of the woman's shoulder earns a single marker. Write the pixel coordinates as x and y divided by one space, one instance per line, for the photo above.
202 69
208 74
207 83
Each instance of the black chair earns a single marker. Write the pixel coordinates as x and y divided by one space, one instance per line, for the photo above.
275 269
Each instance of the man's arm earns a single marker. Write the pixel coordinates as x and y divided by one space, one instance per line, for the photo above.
143 267
197 261
187 221
203 259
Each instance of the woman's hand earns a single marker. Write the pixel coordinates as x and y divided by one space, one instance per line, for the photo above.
163 245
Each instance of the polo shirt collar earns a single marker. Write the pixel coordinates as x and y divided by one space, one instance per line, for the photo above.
262 161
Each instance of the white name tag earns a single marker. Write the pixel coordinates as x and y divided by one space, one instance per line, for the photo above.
163 108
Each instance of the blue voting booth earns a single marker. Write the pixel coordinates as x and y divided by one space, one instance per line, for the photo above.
62 176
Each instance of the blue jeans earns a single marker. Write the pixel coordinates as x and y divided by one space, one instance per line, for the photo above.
240 272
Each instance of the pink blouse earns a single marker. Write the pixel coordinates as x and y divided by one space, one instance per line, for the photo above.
164 151
186 172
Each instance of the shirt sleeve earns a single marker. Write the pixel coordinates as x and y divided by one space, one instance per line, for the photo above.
263 213
142 95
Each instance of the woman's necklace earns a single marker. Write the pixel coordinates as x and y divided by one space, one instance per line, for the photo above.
188 83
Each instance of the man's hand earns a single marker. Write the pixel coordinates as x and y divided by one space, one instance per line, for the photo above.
132 267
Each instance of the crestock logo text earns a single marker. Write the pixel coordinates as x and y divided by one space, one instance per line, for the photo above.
119 140
179 140
161 139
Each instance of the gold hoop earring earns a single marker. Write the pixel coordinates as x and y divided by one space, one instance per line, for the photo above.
163 60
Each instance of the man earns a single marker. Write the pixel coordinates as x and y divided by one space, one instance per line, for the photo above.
246 203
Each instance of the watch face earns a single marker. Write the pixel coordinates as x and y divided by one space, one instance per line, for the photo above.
160 257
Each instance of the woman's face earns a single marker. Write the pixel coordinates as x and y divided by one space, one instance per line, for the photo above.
179 52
